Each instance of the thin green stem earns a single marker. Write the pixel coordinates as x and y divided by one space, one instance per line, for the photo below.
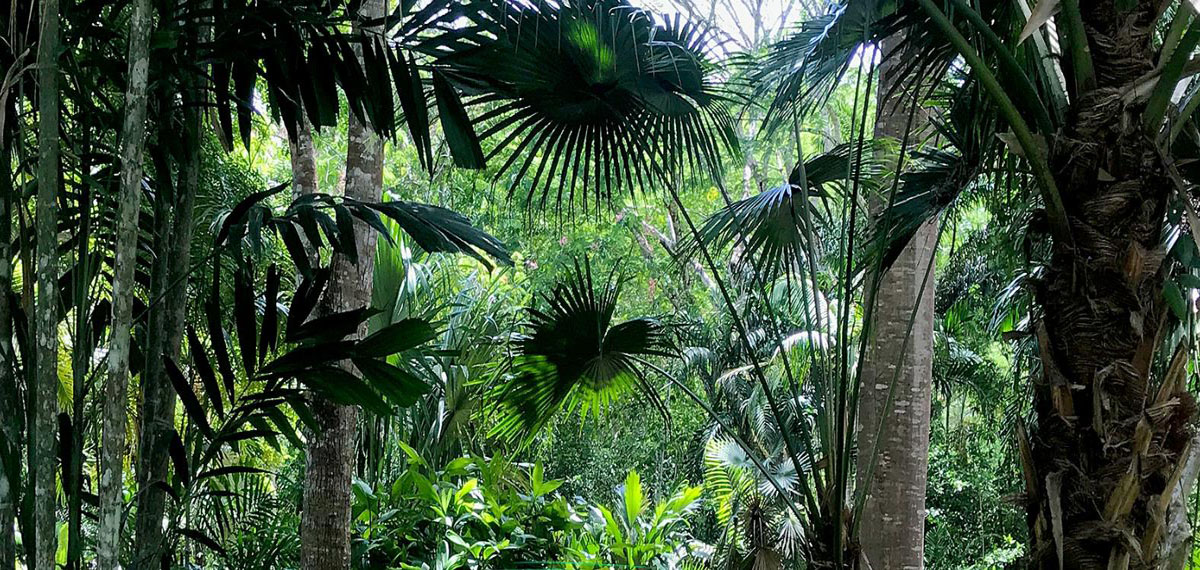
1057 213
1014 75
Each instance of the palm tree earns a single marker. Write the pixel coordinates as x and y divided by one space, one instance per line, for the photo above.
45 497
325 521
1107 451
116 400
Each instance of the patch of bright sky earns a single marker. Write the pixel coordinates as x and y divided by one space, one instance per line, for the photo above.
741 22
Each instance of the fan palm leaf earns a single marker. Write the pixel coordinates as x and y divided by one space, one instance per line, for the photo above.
595 92
771 226
941 174
573 356
800 72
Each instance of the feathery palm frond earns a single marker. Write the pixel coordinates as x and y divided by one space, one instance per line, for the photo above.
574 357
595 91
800 72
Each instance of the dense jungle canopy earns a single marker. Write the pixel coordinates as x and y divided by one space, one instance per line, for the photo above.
579 284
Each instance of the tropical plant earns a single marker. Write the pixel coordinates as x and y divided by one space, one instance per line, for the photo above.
574 357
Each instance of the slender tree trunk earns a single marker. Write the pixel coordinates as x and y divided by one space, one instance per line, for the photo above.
81 357
116 398
894 397
166 333
10 397
1112 438
325 521
154 426
304 160
45 424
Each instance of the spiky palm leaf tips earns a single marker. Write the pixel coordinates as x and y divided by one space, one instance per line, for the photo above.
583 97
573 357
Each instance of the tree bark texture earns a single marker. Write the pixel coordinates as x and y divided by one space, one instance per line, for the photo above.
304 160
1111 438
894 396
44 431
116 397
325 522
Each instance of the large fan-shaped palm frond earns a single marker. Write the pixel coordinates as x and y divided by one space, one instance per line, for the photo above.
573 356
771 226
590 91
800 71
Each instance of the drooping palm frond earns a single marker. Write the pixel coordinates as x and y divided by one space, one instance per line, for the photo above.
772 227
303 51
574 357
590 91
941 174
800 72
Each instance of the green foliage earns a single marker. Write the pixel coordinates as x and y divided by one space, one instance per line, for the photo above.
971 520
477 512
574 357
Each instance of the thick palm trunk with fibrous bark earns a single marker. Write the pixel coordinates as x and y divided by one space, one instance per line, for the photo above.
42 439
1112 435
894 394
116 399
325 522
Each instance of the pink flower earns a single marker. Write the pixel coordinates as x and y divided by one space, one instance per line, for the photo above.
563 241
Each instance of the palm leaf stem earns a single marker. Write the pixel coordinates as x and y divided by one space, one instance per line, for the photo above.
806 216
1081 56
1012 69
1060 228
1164 88
844 429
744 336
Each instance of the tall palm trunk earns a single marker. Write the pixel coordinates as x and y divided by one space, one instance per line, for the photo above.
116 399
1112 437
325 522
46 408
894 397
169 290
9 395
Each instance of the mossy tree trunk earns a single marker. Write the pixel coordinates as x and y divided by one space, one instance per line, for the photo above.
43 435
116 398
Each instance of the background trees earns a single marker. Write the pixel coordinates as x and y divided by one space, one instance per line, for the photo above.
446 345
